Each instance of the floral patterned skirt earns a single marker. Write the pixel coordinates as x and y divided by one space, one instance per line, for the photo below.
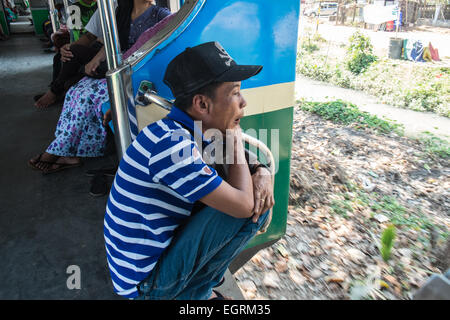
80 131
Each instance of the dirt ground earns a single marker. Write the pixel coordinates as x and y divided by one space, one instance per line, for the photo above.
347 186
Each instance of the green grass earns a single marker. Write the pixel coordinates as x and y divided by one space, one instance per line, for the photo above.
347 113
341 207
389 206
387 242
310 47
435 146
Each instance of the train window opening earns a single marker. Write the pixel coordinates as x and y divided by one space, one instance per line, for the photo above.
164 30
18 16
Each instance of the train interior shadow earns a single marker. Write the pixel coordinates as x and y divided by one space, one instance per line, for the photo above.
47 223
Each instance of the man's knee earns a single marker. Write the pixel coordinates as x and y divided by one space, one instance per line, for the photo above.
79 50
83 53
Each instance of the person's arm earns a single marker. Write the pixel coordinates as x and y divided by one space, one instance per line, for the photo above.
86 40
91 67
234 196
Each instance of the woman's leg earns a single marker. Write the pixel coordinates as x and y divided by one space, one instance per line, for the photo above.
79 132
198 256
82 55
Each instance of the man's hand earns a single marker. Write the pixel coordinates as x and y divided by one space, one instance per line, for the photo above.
91 67
66 54
263 192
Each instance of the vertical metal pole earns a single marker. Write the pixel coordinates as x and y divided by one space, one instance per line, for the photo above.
52 9
110 33
175 5
118 77
68 18
66 9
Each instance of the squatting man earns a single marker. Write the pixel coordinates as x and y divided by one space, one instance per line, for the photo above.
173 227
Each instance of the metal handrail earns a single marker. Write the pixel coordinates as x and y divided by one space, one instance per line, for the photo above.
118 77
66 8
53 15
111 41
152 97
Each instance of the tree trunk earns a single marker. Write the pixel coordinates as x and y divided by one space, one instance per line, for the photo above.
436 13
354 12
406 13
337 12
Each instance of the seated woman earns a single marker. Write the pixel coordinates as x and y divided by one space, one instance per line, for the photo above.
80 131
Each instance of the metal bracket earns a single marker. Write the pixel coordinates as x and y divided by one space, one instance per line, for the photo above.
147 95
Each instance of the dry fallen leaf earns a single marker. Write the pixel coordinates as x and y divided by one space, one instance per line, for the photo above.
297 277
271 279
281 266
337 277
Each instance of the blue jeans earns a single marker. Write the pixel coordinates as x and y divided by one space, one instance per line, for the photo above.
198 256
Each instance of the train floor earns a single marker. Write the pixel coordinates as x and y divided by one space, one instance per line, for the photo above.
47 223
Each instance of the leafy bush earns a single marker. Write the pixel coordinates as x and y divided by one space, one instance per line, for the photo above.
417 87
316 70
348 113
359 62
359 53
310 46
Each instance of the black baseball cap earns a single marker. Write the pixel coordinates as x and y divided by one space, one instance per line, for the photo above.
201 65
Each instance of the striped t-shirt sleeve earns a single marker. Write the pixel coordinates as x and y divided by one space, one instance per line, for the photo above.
180 166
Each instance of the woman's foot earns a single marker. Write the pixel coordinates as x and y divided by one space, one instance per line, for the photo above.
49 163
63 163
42 161
46 100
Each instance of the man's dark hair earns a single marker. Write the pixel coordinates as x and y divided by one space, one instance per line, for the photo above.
185 102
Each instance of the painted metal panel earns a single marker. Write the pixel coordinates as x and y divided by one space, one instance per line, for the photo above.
259 32
280 120
252 31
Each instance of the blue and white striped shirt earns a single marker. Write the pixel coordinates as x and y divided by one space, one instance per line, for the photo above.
153 192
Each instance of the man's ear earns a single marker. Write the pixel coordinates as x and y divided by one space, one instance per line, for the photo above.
201 104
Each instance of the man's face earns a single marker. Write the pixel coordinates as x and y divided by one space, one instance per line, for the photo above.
227 107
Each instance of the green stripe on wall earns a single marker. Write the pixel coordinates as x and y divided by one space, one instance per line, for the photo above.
3 23
39 16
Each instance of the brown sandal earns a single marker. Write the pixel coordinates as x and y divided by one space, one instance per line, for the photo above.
38 160
61 166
